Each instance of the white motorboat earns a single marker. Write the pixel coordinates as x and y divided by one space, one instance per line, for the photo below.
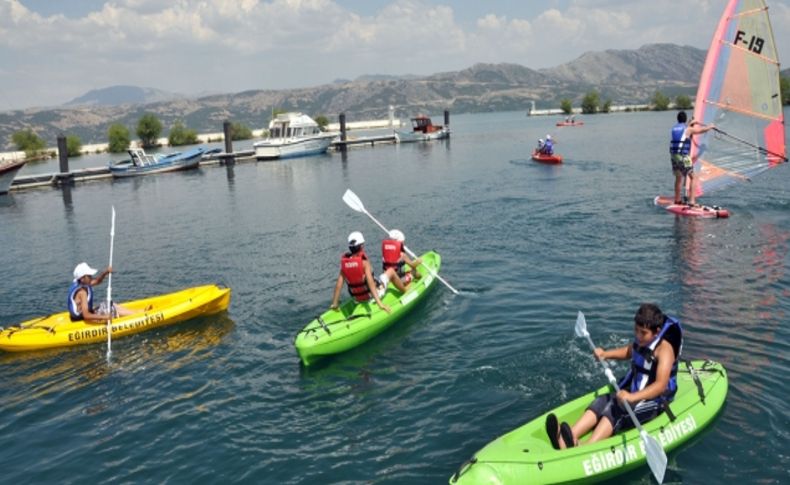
293 135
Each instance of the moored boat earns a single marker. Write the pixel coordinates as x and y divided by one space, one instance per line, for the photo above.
58 330
525 455
423 129
545 158
354 323
570 123
8 171
293 135
142 163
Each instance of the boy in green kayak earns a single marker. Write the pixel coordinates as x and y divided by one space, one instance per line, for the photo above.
649 386
394 256
355 270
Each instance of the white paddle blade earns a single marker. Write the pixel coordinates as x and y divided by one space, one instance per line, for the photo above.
581 325
656 458
351 200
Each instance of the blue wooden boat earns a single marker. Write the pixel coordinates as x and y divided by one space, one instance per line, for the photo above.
141 163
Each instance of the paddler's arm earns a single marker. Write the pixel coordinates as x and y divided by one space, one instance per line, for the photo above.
413 263
102 275
87 315
336 294
620 353
666 357
372 287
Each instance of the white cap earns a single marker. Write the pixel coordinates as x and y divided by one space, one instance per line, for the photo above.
356 238
397 235
540 140
548 137
83 269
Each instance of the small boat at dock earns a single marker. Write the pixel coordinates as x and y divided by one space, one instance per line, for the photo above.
423 129
141 163
293 135
8 171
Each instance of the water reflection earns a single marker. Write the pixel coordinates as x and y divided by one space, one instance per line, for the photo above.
31 376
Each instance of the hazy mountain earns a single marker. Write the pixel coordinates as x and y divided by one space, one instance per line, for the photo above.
622 76
118 95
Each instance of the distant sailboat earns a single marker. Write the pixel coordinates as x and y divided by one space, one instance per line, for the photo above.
740 93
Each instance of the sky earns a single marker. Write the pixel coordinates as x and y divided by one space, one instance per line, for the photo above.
55 50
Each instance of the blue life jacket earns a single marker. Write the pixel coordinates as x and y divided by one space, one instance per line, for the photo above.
644 364
548 147
678 144
74 312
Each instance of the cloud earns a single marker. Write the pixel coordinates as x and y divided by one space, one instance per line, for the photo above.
225 45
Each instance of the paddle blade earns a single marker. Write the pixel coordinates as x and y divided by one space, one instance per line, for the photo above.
656 458
351 200
581 325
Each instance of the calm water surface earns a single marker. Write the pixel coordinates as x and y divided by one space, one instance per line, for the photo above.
224 399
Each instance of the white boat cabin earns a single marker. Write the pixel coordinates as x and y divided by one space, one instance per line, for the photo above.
293 125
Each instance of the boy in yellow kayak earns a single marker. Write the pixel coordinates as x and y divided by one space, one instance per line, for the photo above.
80 300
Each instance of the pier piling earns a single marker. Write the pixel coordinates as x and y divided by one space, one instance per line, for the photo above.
64 177
446 117
228 157
342 119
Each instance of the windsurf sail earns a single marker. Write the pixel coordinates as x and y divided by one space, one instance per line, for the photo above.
740 93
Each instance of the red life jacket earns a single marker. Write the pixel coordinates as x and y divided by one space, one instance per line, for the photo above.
391 254
353 268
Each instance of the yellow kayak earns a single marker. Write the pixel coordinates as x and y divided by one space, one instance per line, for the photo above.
57 330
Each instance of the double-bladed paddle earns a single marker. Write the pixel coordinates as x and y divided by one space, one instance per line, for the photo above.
656 458
351 199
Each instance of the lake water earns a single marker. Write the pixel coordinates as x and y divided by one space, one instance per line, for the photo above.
223 399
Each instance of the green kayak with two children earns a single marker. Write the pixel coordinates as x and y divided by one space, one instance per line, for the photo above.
526 455
355 322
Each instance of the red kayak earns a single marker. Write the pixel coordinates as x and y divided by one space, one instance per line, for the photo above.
704 211
570 123
543 158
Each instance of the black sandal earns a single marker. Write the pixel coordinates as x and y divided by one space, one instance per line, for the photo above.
567 435
553 430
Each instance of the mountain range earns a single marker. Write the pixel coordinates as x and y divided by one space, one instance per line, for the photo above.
622 76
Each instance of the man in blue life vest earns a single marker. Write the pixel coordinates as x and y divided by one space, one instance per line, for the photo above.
80 300
548 146
648 387
680 155
393 256
356 272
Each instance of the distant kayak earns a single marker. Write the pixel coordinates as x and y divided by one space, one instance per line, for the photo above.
525 455
704 211
58 330
354 323
543 158
570 123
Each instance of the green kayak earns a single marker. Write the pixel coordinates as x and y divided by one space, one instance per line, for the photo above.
354 323
525 454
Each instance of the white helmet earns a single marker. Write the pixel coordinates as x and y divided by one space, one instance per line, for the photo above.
540 140
397 235
548 137
356 239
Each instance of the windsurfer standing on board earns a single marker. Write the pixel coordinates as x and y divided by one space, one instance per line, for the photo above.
680 153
